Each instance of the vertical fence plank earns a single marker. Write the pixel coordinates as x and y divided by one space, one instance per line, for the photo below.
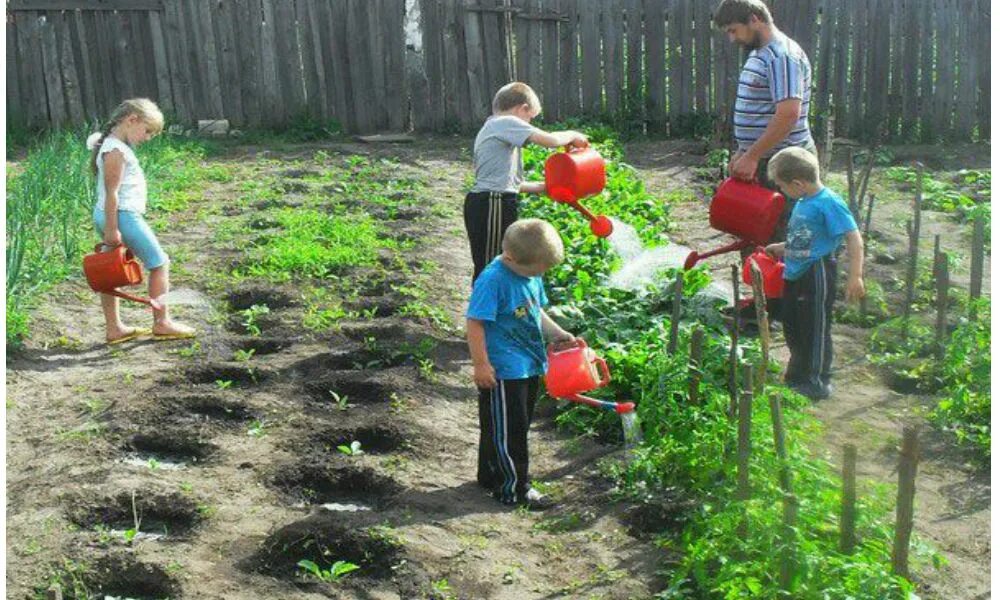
674 86
395 42
452 101
128 70
928 41
569 58
965 109
945 64
536 78
897 64
838 86
228 61
84 45
177 54
611 29
476 71
912 47
823 65
982 50
521 45
248 15
161 63
859 46
312 65
145 59
633 50
15 114
360 74
67 65
375 42
50 68
465 100
494 50
703 55
654 33
432 38
590 52
550 62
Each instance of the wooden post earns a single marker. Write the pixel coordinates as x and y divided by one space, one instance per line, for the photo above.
760 303
828 144
847 499
694 364
675 318
743 443
868 217
908 457
864 250
784 475
734 341
913 230
863 183
941 325
850 180
976 271
789 502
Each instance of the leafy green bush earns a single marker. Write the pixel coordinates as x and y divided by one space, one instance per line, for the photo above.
689 447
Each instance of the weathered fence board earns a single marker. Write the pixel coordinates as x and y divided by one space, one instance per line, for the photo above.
896 68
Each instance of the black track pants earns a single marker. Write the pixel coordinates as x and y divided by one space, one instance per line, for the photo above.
505 414
807 309
487 217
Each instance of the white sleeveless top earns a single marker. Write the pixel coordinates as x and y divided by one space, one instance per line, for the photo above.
132 191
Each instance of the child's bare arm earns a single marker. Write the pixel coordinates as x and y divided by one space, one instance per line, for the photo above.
532 187
555 139
482 370
855 278
556 334
114 166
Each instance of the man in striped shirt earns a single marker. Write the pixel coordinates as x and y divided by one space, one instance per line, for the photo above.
772 100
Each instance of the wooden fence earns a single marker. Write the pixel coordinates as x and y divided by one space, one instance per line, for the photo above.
893 68
254 62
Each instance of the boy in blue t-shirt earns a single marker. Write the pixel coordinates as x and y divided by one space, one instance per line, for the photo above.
819 223
505 327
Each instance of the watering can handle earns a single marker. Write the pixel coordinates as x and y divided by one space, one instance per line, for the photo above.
580 343
605 373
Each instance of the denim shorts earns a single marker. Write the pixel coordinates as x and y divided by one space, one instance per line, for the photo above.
137 237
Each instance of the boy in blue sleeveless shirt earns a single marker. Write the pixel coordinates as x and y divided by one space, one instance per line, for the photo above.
820 222
506 327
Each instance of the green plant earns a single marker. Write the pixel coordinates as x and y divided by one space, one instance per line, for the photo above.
243 355
223 384
337 571
257 428
251 317
339 401
354 449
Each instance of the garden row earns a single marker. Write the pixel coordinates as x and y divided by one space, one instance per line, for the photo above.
718 543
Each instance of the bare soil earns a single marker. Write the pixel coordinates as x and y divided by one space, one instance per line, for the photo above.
229 485
953 490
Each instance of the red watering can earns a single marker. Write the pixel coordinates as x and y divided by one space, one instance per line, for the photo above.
577 370
745 209
109 270
773 272
576 174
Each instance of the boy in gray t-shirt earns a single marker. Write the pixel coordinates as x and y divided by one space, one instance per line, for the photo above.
491 205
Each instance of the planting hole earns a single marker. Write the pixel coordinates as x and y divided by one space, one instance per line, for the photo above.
166 450
211 408
318 483
262 346
324 538
356 391
160 514
374 439
238 376
243 299
124 577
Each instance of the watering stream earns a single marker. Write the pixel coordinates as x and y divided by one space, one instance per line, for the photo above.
185 296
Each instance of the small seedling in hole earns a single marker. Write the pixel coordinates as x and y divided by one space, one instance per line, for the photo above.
426 367
244 355
186 487
335 573
153 464
442 589
397 404
257 429
191 351
251 316
224 384
353 450
340 401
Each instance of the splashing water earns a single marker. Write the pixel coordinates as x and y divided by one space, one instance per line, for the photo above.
184 296
631 428
639 265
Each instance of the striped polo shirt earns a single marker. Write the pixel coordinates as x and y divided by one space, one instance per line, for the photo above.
776 72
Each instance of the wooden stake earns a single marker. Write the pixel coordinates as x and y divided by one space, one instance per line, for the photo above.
784 474
848 499
850 180
908 457
743 443
760 303
734 341
940 331
868 217
789 501
675 319
828 144
913 231
863 183
976 271
694 364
